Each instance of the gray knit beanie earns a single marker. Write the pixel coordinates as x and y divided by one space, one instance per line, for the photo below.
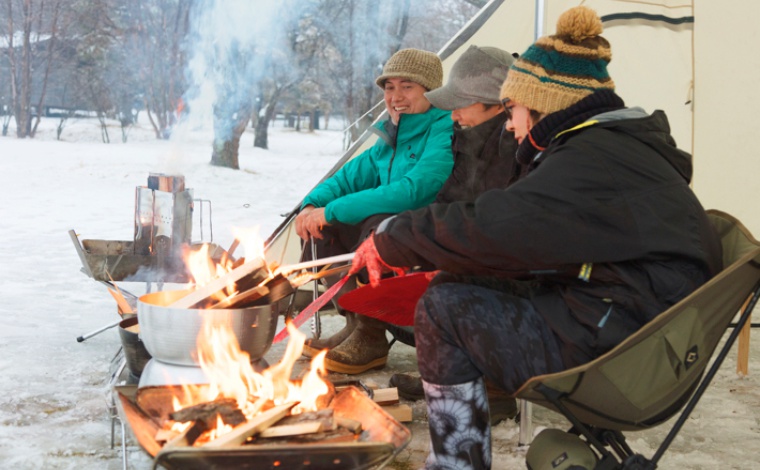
475 77
419 66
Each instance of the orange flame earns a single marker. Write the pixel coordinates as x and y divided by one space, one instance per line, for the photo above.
230 374
203 270
229 369
251 240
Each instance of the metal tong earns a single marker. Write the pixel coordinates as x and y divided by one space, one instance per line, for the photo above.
287 270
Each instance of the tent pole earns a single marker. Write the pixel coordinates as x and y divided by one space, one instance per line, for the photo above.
538 29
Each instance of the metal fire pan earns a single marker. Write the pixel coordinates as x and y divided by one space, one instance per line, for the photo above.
106 260
170 334
382 439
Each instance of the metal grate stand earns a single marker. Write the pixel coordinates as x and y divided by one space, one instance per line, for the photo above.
117 368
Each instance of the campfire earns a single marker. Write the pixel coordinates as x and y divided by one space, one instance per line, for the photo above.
241 414
239 402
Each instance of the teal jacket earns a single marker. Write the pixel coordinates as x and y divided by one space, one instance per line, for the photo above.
394 175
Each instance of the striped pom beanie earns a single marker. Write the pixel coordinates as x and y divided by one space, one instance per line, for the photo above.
558 71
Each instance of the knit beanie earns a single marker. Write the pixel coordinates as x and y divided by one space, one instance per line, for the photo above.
558 71
419 66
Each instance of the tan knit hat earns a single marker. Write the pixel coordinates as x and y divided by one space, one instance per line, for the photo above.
558 71
419 66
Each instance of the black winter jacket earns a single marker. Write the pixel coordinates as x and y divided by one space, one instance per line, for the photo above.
484 158
605 222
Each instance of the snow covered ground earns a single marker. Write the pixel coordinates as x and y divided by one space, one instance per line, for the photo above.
53 389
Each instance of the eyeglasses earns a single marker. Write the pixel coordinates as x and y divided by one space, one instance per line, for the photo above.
507 108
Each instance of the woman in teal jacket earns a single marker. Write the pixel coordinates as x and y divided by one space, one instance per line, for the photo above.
403 170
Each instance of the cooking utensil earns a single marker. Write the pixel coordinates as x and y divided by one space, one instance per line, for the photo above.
312 308
170 333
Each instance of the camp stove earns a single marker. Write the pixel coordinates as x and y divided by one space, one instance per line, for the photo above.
163 224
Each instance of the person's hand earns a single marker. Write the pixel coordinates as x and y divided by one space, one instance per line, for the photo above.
429 275
314 222
310 221
366 256
301 222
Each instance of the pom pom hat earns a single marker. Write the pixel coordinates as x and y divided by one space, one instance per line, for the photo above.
558 71
419 66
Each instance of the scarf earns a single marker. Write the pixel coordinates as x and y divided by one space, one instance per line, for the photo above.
552 124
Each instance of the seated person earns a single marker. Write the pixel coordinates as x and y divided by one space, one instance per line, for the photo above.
404 170
601 236
484 158
484 152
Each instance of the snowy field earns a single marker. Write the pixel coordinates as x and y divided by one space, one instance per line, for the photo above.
53 389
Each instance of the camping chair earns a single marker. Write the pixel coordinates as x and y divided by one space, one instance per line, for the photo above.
655 373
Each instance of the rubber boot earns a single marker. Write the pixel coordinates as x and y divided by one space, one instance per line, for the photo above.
500 404
460 434
313 346
365 348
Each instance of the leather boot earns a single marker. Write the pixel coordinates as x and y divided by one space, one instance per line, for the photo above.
460 434
409 386
313 346
501 405
365 348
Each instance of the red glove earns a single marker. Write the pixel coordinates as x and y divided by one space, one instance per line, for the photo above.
367 256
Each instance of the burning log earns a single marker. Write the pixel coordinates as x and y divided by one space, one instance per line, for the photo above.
257 424
226 408
188 436
309 427
243 299
204 417
324 417
199 295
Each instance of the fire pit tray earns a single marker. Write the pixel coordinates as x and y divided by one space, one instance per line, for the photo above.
386 437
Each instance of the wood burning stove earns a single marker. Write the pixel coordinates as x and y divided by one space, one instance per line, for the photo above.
163 223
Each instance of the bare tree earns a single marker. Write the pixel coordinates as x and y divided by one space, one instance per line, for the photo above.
154 33
33 31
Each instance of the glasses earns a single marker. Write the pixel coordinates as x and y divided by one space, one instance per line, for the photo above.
507 108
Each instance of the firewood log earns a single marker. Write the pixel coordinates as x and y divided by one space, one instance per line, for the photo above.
215 285
257 424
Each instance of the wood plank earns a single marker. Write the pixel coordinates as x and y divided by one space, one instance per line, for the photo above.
351 424
308 427
219 283
259 423
385 396
238 299
742 353
164 435
121 302
402 413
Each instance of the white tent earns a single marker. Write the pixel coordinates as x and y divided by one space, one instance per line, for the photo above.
692 59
